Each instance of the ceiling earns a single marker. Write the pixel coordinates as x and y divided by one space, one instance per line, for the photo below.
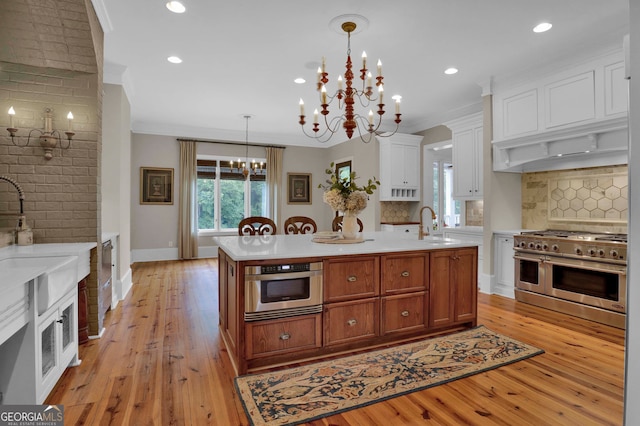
240 57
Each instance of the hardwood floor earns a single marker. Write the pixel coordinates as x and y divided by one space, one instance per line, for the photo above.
161 361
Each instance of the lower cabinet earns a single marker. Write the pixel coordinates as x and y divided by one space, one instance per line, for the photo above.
346 322
405 313
368 301
276 337
453 287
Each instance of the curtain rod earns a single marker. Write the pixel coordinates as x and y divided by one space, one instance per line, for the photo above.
231 143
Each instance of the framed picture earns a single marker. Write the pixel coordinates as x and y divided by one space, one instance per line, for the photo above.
299 185
156 185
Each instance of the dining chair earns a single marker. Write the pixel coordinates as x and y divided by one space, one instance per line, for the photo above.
300 225
336 225
256 225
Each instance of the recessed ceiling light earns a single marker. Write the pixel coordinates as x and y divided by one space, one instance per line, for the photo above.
396 97
542 27
300 80
176 7
451 70
174 60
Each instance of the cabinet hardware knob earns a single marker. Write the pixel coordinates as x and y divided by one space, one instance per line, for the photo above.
352 278
404 274
352 322
285 336
404 313
60 321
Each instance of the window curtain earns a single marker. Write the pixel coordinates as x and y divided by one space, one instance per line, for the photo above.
187 216
274 181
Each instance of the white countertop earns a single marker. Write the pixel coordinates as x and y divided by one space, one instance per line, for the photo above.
266 247
50 255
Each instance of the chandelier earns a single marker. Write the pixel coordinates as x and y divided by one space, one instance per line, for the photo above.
246 166
345 97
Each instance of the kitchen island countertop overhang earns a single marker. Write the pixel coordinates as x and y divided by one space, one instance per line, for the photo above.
273 247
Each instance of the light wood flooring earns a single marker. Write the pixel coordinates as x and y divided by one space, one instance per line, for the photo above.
161 361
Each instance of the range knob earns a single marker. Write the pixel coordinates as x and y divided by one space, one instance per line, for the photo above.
614 253
545 247
538 246
522 244
531 245
601 252
592 252
555 247
578 251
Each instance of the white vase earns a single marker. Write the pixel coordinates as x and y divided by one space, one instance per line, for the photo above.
350 226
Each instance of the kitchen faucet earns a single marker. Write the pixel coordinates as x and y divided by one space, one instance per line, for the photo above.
19 189
421 233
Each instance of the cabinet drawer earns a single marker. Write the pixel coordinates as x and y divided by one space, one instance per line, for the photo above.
351 279
349 321
266 338
403 274
403 313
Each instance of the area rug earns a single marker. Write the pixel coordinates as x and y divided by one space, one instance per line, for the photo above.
313 391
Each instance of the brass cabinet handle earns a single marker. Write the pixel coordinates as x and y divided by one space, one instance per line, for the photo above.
285 336
404 274
404 313
352 322
352 278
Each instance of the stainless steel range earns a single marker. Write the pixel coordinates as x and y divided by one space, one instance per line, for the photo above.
580 273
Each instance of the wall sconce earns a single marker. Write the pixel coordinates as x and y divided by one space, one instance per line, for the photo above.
49 138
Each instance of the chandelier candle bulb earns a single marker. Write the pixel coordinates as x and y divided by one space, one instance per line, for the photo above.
379 68
340 82
301 107
315 116
397 106
324 95
364 60
371 117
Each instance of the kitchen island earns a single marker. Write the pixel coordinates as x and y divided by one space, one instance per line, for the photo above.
387 289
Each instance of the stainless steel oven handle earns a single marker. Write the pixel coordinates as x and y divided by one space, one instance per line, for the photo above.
283 276
598 267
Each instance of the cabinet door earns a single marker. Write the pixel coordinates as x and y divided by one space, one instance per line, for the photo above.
505 267
402 273
441 296
478 163
404 313
463 163
68 323
273 337
465 281
351 321
412 166
351 279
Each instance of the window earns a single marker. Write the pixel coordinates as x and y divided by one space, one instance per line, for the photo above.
225 196
447 209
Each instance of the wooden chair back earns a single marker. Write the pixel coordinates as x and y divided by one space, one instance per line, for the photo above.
256 225
300 225
336 225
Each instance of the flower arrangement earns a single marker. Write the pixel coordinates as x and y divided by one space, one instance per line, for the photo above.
342 194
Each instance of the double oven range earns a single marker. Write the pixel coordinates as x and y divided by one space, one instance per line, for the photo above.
580 273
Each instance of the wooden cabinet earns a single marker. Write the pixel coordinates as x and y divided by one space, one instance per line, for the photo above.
404 273
467 157
453 288
400 167
274 337
405 313
348 279
368 300
346 322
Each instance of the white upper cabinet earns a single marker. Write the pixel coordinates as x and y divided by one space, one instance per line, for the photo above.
400 167
467 156
580 111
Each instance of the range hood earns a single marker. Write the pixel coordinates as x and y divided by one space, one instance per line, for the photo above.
596 144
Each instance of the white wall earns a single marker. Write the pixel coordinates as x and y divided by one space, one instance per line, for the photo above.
116 181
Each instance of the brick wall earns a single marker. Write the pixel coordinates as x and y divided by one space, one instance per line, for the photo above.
51 57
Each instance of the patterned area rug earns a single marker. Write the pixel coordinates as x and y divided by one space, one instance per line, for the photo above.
313 391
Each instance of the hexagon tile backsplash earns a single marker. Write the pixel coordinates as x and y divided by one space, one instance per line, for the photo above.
589 198
592 199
